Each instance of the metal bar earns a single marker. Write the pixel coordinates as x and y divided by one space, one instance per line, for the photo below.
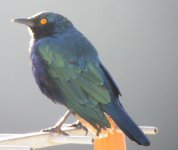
72 139
150 130
42 140
37 140
6 147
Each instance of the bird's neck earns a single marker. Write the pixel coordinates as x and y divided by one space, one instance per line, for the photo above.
37 33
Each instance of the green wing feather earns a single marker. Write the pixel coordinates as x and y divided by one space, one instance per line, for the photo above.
80 81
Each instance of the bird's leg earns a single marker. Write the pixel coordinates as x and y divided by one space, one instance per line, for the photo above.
79 125
58 125
63 119
98 132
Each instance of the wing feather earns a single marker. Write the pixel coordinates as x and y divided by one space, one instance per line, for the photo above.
80 81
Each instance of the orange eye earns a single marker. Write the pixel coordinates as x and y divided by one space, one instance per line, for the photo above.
43 21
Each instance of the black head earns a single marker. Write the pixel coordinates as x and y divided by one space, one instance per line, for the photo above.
45 24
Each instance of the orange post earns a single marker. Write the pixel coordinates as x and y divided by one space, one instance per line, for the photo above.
114 141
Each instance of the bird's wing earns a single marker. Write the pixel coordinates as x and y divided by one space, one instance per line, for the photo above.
81 81
79 71
111 81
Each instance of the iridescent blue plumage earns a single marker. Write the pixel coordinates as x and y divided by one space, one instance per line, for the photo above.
67 70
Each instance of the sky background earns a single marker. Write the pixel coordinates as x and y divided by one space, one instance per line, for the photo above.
137 41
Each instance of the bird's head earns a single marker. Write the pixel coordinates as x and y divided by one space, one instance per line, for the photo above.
45 24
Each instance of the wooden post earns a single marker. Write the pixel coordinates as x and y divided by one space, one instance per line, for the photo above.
114 141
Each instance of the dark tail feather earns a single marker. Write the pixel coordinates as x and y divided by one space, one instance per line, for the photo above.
125 123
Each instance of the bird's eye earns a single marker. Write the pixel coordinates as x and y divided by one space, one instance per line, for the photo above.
43 21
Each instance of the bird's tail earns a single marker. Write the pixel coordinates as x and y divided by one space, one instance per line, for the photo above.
116 111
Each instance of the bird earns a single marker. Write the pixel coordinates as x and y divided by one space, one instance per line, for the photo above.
68 70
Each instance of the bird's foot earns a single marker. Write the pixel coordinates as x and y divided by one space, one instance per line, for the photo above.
55 129
58 125
79 125
98 132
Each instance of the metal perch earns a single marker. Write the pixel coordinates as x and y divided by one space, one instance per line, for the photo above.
37 140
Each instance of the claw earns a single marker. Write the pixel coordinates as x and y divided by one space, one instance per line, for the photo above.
55 130
79 125
58 125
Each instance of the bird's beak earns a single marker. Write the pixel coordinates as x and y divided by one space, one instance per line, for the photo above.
28 22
